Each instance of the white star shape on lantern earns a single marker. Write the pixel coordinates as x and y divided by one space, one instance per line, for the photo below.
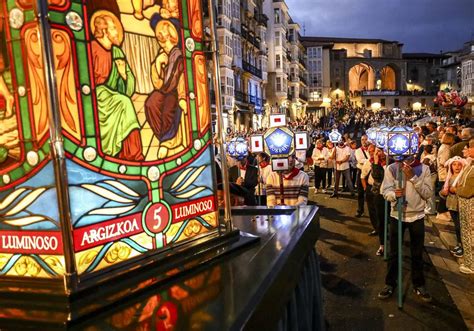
334 136
399 144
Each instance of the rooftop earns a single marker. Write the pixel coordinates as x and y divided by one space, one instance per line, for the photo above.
347 40
425 56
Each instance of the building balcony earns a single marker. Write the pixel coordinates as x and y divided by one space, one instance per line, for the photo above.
303 79
252 69
255 41
252 99
385 93
250 37
243 32
240 96
262 20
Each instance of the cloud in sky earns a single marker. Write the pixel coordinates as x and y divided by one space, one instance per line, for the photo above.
422 25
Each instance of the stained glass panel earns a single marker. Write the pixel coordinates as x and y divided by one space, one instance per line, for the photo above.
135 116
30 238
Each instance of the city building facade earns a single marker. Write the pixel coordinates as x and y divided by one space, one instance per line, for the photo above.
425 72
266 66
319 79
452 69
467 73
278 55
372 73
298 78
241 33
287 87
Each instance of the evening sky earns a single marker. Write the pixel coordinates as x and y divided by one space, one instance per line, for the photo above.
421 25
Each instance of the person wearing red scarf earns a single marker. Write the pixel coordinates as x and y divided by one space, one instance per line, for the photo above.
320 160
295 186
361 155
371 178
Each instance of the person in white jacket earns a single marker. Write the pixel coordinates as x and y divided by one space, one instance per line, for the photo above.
417 189
295 186
361 156
320 160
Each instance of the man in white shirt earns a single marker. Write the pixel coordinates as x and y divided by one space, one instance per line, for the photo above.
295 186
417 189
320 161
361 156
342 156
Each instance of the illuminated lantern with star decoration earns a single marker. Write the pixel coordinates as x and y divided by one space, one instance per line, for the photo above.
381 137
371 135
279 142
402 142
237 148
335 136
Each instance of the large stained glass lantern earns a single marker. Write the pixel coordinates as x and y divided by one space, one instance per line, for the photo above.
372 135
335 136
381 137
237 148
133 176
402 142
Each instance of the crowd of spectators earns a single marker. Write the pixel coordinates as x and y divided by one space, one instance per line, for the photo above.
438 181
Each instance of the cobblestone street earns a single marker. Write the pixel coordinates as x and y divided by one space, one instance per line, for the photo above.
353 275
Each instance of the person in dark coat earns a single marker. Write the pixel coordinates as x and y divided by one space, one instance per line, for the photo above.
245 176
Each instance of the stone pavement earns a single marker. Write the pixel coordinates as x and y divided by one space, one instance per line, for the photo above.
352 277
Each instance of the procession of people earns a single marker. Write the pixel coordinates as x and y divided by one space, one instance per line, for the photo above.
438 180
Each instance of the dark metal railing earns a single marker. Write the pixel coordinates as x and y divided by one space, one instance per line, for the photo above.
252 69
